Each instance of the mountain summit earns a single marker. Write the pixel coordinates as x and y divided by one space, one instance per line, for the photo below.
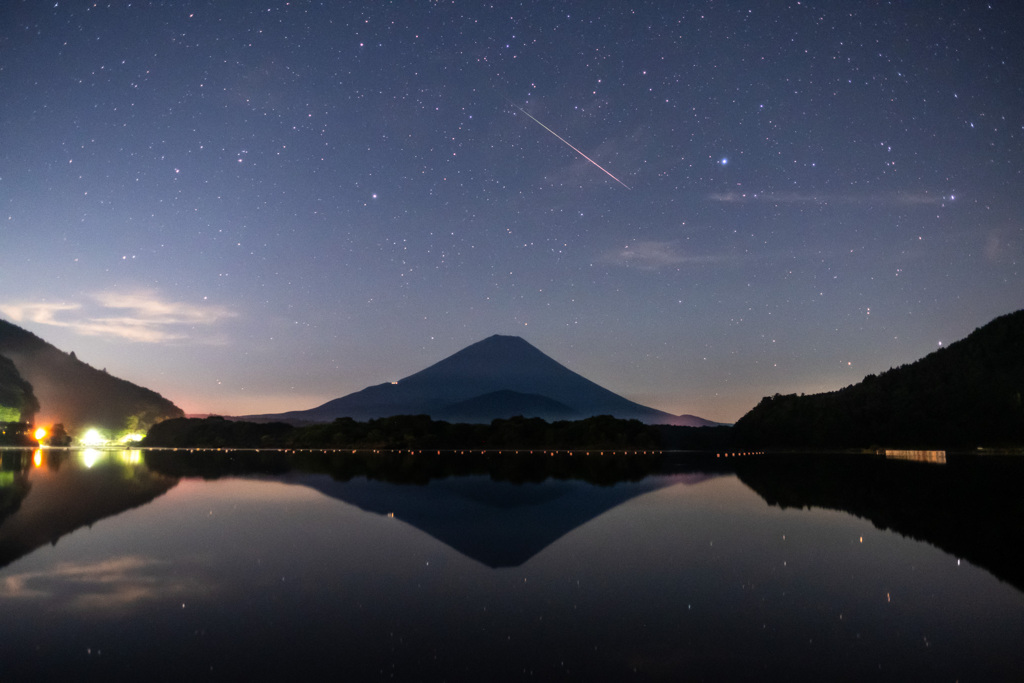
498 377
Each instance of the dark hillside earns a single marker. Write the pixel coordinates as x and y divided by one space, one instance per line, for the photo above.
966 395
76 394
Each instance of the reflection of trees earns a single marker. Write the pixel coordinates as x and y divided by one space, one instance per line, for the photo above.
530 500
409 467
971 507
47 502
14 484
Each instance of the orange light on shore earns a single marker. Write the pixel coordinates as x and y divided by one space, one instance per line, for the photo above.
40 434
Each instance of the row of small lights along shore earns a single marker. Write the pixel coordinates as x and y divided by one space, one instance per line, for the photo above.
409 451
738 455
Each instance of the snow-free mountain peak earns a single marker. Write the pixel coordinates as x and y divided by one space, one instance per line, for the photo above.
506 373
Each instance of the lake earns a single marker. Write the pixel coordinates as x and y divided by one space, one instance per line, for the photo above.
161 565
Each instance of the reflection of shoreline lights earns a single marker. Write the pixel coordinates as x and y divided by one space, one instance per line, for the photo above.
94 456
934 457
90 456
37 457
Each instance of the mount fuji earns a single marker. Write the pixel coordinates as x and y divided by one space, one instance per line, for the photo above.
498 377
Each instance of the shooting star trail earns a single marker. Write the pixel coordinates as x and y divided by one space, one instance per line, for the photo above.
570 145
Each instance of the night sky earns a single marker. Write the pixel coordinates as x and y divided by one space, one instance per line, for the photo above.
260 207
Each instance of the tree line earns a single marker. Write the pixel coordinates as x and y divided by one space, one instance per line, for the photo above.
602 432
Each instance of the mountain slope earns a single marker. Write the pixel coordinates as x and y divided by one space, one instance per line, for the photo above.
76 394
505 404
499 369
968 394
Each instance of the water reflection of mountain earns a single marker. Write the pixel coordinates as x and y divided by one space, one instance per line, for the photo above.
498 508
14 483
499 524
970 508
502 510
59 495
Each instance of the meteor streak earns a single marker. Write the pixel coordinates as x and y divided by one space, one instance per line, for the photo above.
570 145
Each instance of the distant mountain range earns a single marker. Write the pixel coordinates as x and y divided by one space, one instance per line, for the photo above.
71 392
966 395
498 377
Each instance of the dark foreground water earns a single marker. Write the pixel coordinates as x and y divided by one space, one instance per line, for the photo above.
203 566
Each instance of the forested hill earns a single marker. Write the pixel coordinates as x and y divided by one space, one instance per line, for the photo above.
75 393
966 395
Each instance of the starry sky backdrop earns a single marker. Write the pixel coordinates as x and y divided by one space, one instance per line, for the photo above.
253 207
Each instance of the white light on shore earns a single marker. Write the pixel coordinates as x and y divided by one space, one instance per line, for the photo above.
93 438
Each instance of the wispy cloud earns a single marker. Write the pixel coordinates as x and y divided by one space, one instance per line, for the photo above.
898 198
653 255
138 316
104 586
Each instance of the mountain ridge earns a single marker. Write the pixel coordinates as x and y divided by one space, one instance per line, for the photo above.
76 394
499 366
965 395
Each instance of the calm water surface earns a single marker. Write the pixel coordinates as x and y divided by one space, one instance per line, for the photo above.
131 566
